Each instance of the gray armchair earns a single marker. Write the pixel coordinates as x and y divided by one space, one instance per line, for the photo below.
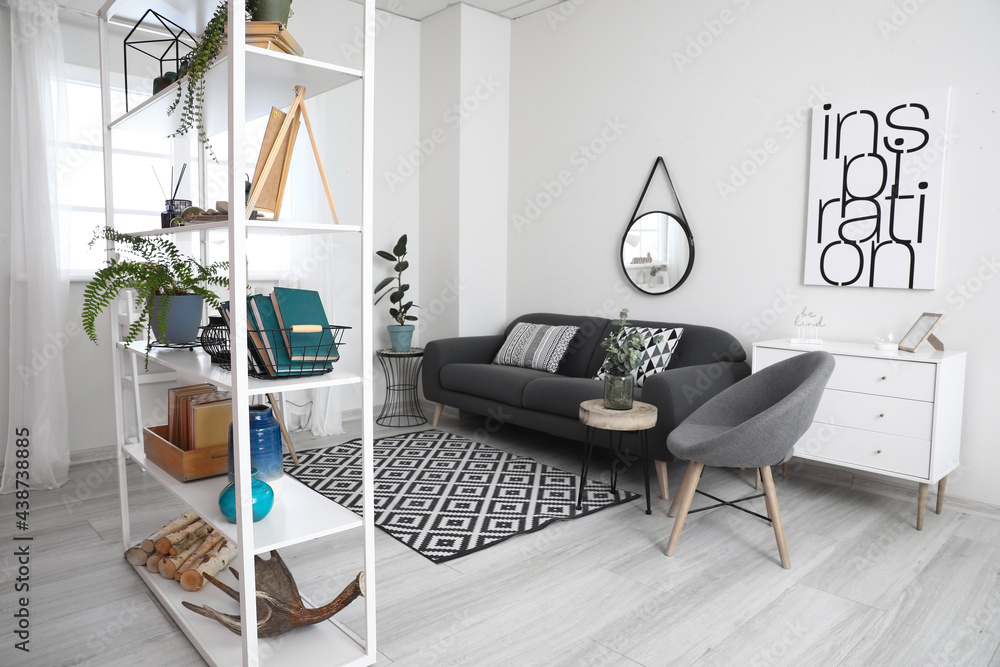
752 424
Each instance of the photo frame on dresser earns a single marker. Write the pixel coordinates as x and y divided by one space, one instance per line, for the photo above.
922 330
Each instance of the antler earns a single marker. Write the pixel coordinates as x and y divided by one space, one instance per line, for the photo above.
279 605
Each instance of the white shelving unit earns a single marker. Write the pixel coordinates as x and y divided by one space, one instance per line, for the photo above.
299 514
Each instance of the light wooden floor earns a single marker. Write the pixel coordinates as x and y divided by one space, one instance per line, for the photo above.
865 587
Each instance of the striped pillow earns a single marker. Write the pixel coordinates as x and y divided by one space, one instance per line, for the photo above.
538 346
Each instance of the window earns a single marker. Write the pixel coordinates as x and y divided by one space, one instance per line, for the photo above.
80 172
143 167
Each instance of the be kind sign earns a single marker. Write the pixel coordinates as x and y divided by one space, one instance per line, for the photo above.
875 181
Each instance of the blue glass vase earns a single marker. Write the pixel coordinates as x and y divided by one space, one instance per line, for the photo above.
265 446
263 498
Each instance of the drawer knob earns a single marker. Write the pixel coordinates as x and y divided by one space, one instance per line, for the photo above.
882 415
884 377
879 451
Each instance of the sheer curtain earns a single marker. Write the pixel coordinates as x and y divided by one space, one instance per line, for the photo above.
39 287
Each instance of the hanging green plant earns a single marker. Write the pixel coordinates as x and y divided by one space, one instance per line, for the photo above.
191 91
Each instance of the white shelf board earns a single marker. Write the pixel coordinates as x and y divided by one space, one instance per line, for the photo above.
197 365
281 227
271 76
324 643
299 513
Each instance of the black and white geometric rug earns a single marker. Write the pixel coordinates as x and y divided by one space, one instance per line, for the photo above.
446 496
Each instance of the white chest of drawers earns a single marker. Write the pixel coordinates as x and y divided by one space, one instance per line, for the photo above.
892 413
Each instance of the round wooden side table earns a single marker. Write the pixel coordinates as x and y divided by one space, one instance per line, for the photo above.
639 419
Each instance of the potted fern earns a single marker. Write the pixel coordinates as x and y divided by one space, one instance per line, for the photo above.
401 333
623 360
171 288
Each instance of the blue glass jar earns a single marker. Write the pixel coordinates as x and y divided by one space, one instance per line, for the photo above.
265 446
261 491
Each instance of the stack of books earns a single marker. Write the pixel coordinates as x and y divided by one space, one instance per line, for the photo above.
288 333
198 417
272 36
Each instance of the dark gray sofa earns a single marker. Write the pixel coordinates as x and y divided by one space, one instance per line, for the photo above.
459 372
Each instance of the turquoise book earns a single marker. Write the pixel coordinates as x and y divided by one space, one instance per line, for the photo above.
265 320
298 307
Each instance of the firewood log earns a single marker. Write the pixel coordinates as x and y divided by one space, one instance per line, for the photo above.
210 544
136 556
153 563
192 537
194 579
149 544
168 564
163 544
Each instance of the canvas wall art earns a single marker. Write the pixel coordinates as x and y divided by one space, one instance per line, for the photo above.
876 175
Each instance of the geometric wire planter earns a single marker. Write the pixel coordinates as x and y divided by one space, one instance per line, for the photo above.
162 49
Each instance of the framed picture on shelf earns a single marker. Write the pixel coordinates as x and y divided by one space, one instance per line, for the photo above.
922 330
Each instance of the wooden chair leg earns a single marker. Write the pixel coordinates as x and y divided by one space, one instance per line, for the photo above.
686 494
661 477
437 414
756 479
921 505
680 492
771 498
940 494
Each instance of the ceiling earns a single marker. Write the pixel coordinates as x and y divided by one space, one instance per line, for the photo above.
413 9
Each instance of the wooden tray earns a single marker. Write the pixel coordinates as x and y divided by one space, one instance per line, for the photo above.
181 465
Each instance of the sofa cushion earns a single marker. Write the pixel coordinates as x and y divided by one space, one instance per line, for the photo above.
577 360
562 396
538 346
656 355
499 383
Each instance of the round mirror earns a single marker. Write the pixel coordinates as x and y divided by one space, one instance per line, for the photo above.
657 252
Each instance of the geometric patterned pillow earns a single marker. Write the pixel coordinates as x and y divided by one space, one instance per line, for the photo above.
656 356
538 346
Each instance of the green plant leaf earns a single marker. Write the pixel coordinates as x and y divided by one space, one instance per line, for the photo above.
400 248
383 283
401 266
384 255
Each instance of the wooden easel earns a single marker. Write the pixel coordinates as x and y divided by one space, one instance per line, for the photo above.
280 148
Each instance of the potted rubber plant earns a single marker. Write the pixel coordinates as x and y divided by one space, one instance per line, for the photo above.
622 361
171 287
401 333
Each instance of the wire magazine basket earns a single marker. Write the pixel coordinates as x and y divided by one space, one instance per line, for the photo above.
280 353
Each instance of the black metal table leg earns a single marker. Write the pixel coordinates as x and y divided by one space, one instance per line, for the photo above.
645 469
615 455
586 464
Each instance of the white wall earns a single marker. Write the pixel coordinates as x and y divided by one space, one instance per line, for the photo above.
604 74
464 122
438 174
484 110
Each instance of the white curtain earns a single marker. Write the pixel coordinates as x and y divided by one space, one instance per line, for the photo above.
39 287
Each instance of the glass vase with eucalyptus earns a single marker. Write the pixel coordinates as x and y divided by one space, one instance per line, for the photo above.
624 347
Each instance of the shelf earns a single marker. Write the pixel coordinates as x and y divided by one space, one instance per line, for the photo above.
220 647
299 513
197 365
282 227
270 78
